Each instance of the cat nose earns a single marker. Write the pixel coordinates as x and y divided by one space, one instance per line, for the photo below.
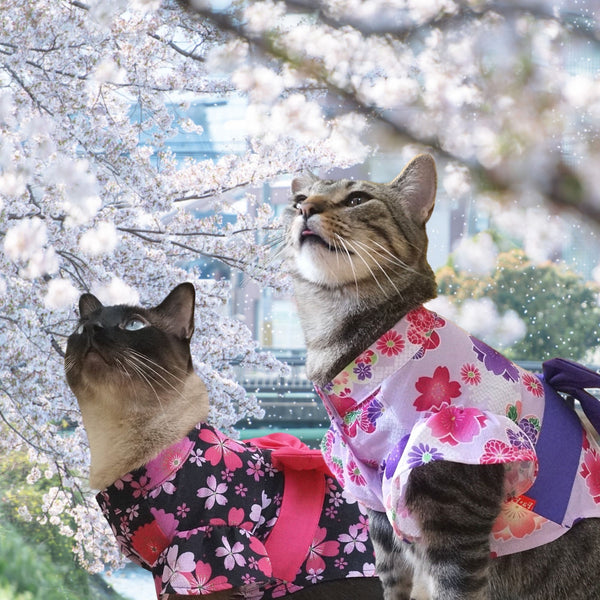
308 208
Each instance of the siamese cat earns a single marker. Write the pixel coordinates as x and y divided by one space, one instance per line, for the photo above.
203 512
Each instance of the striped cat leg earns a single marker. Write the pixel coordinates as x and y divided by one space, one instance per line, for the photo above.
393 568
421 588
456 506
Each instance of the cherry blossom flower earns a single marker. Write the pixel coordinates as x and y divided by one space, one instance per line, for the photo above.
61 293
232 554
342 401
197 457
100 240
141 488
515 521
436 391
283 589
215 492
263 563
314 576
176 568
223 448
454 424
354 540
368 571
200 582
241 490
235 518
320 547
256 469
368 357
331 512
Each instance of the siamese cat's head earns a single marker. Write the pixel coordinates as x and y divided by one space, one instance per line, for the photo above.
131 353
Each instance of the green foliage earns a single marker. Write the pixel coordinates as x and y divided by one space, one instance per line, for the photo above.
7 592
559 308
36 562
31 571
16 492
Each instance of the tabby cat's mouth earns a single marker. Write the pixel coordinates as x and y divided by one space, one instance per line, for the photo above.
309 236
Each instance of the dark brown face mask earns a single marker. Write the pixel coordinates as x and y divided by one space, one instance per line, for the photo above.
131 345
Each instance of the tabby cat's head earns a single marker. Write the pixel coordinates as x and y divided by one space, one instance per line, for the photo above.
359 234
129 352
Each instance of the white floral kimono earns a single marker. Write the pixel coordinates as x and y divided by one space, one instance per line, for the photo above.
427 390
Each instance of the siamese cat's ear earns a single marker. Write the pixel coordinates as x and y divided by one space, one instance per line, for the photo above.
302 181
178 308
88 303
417 185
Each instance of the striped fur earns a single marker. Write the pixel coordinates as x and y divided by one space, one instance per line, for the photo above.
357 254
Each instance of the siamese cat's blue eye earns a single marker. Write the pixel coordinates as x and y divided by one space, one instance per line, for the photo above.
134 324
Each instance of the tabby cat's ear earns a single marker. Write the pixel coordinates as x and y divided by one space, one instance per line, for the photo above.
88 303
302 181
417 185
178 310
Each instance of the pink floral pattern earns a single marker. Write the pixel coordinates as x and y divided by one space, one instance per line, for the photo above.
422 328
390 343
200 580
516 521
590 471
455 424
445 396
319 548
436 391
206 531
470 374
222 448
533 384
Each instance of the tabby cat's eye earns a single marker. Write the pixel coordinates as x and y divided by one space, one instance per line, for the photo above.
298 200
357 198
134 324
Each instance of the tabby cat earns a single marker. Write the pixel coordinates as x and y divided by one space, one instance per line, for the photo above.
142 404
357 253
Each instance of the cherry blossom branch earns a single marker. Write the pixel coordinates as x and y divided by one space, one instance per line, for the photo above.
565 191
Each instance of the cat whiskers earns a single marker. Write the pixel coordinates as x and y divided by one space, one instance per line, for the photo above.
150 368
343 245
389 256
69 363
123 368
354 247
139 371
